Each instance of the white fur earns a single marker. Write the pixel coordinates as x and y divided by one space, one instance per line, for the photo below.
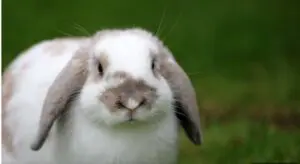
131 103
91 134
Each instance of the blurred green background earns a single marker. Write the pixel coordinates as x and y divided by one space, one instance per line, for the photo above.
242 56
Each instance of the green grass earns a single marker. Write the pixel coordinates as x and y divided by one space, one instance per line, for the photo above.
242 141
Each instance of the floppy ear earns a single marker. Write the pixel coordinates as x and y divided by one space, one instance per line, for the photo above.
185 98
67 84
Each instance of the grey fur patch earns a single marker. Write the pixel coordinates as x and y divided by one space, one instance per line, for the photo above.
56 47
130 89
7 91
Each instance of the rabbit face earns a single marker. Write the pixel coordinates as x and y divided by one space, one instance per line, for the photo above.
124 84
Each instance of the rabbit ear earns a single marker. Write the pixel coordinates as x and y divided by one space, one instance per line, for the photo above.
185 98
65 87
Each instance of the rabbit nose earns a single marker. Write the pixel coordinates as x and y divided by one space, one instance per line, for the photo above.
130 103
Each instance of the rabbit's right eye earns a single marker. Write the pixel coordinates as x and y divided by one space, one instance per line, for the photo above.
100 69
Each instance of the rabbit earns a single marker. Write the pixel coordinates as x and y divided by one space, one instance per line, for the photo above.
116 97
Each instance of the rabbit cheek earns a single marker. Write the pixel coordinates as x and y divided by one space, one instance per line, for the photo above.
90 106
163 102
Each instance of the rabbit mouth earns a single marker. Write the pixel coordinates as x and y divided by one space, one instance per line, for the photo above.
132 123
131 119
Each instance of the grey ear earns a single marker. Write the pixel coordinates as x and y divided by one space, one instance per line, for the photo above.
66 85
185 99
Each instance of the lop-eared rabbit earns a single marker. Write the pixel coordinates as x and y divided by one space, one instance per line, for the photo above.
117 97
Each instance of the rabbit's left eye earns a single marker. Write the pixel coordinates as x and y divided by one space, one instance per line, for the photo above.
153 64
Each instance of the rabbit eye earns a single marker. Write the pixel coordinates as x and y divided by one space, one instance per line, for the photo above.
100 69
98 65
153 64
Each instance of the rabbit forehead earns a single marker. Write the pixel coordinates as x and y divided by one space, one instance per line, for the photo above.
126 40
127 51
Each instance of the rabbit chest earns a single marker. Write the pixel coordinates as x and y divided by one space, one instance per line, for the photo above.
81 142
